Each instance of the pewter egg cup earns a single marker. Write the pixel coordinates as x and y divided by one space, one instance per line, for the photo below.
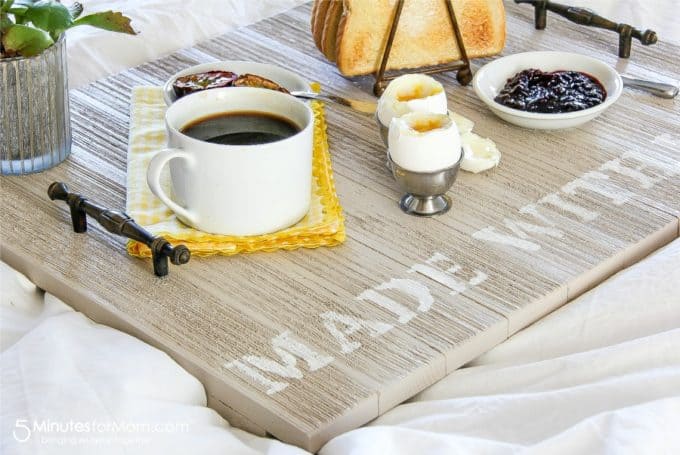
425 191
384 131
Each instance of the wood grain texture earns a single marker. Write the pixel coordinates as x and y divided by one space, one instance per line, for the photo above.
409 299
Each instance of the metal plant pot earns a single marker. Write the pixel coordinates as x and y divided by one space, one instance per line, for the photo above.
34 111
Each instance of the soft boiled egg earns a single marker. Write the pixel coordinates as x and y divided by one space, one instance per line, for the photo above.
411 93
424 141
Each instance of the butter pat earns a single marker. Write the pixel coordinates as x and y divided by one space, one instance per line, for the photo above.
424 142
411 93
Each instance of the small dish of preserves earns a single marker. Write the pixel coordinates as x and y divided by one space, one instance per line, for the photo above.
551 92
547 90
231 73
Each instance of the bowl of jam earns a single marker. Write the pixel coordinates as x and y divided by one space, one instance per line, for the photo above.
547 90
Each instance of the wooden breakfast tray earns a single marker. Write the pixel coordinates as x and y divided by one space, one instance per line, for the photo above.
308 344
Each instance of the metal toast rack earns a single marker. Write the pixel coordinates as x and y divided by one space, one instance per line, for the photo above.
121 224
464 75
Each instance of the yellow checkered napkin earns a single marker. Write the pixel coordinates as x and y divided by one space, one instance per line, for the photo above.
322 226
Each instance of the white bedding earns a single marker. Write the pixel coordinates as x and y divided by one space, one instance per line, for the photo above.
601 375
164 26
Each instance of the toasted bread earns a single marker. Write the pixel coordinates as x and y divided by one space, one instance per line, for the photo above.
318 20
330 29
424 35
315 6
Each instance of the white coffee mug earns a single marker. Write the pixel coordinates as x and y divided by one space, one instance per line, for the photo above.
236 189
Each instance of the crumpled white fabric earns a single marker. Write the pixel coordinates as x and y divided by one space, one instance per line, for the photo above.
164 26
600 375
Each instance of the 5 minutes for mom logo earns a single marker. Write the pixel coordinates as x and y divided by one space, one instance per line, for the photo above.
22 432
24 428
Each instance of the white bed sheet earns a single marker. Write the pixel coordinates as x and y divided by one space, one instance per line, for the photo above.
164 26
601 375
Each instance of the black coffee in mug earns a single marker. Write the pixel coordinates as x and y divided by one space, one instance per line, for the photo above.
241 128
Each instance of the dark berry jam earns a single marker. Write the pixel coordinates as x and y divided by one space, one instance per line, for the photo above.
192 83
533 90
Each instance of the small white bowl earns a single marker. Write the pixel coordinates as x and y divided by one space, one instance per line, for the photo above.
491 78
283 77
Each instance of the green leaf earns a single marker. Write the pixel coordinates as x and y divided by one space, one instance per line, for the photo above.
5 22
108 20
25 41
51 16
18 10
19 7
76 10
24 4
6 5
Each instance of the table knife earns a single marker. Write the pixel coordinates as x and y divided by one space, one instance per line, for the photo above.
366 107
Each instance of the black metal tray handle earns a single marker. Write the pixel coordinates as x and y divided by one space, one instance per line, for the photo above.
584 16
121 224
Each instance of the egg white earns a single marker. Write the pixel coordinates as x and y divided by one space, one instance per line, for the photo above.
464 124
433 99
479 154
426 151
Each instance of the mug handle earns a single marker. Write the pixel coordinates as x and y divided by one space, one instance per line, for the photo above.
153 179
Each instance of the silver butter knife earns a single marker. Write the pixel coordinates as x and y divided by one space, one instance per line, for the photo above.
655 88
366 107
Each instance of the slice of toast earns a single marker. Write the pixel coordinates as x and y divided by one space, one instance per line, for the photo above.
315 6
330 29
318 20
424 35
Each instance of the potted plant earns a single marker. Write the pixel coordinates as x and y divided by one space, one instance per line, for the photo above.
34 107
